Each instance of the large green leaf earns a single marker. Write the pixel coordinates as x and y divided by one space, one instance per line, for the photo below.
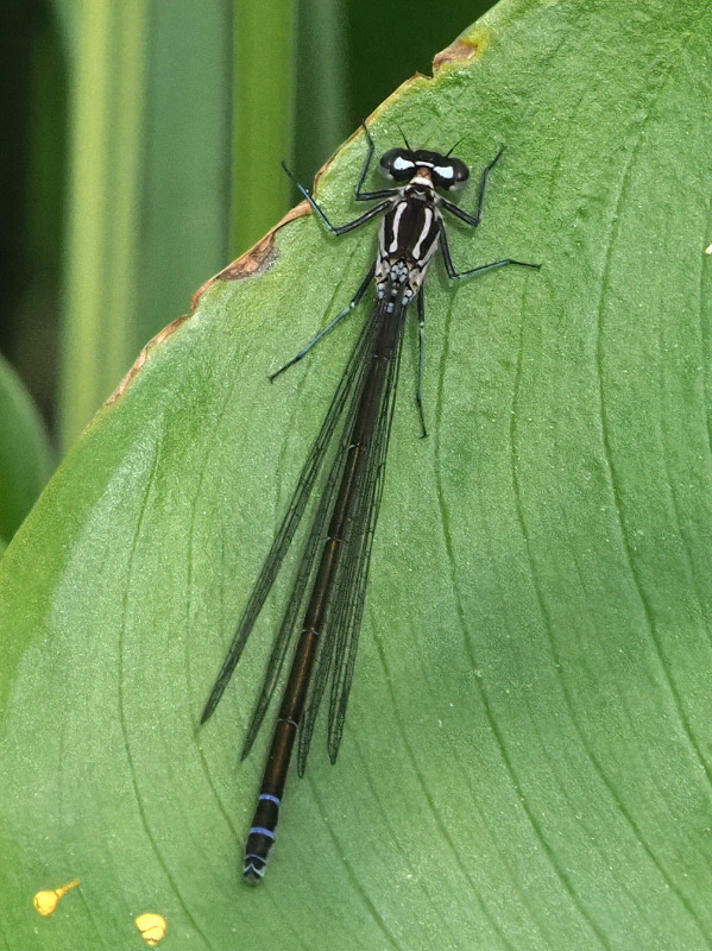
526 762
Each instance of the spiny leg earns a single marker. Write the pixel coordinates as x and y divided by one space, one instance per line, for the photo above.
337 229
460 213
347 310
384 193
457 275
381 192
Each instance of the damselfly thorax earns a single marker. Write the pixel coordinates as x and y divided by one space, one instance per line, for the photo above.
407 242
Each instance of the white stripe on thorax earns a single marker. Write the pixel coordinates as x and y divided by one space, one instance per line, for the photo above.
400 209
417 249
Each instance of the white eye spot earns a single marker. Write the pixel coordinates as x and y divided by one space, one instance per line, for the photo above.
446 172
400 164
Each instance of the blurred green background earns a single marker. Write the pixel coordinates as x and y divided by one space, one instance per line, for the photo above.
142 153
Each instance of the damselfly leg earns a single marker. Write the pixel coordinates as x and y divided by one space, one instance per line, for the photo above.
363 287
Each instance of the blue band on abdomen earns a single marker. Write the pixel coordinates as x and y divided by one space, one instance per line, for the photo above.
260 830
268 797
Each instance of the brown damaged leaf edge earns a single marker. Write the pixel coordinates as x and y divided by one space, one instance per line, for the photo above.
462 49
154 342
259 257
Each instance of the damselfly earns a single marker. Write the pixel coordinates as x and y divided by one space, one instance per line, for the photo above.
327 597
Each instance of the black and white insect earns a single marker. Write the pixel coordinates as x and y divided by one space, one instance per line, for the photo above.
326 602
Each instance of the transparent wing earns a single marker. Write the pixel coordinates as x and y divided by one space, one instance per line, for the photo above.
350 606
339 635
309 560
285 533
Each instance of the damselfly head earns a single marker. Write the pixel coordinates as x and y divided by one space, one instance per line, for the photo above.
446 172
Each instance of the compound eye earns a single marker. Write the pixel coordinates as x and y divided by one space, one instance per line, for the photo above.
397 164
451 175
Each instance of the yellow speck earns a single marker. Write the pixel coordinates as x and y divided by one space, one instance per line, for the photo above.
152 928
46 901
708 250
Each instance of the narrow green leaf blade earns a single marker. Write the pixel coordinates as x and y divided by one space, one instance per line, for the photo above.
149 88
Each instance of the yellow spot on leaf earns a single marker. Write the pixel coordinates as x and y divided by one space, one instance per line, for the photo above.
46 901
152 928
